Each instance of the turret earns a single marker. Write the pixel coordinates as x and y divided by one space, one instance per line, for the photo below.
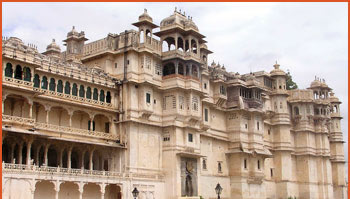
146 26
75 44
53 50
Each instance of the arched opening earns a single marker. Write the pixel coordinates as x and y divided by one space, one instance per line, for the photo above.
18 72
60 86
102 95
41 155
96 161
36 81
69 190
8 70
52 85
64 159
44 83
15 105
194 46
39 113
113 191
59 116
170 41
180 44
75 90
81 91
95 94
142 39
67 88
27 74
102 123
91 191
24 153
52 157
181 69
6 151
86 160
108 97
88 93
148 36
204 58
44 189
296 110
169 69
80 120
74 159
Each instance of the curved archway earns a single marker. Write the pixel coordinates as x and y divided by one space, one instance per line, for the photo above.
6 151
88 92
142 39
52 156
60 86
80 120
108 97
67 88
52 85
75 90
8 70
180 44
113 191
170 44
18 72
91 191
102 123
27 74
16 105
36 81
194 46
68 190
44 190
102 95
81 91
95 94
44 83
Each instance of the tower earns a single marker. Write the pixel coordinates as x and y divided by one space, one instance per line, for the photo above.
75 44
146 26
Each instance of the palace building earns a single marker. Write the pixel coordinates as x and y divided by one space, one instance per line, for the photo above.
143 109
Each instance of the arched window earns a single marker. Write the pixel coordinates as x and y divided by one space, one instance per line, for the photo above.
108 97
169 69
44 83
81 91
88 93
194 46
75 90
67 88
180 69
102 95
18 72
180 44
27 74
60 86
52 85
95 94
36 81
204 164
8 70
296 110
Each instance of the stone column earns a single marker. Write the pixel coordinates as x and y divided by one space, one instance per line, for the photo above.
81 190
36 157
82 160
31 111
29 146
69 162
70 118
20 149
92 122
47 109
61 157
90 160
45 154
3 103
57 189
176 67
102 189
12 152
190 70
176 44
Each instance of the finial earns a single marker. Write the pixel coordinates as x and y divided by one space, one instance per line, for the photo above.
175 9
73 27
53 40
277 66
145 10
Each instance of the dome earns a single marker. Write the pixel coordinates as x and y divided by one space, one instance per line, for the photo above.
277 71
178 19
53 46
145 16
333 98
317 83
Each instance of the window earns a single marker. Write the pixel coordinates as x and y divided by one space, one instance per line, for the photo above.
81 91
107 127
155 101
115 65
44 83
296 110
269 131
205 85
18 72
204 164
259 164
222 90
148 98
95 94
8 70
102 95
246 126
67 88
206 115
190 137
128 62
245 163
108 97
36 81
258 125
27 74
271 171
219 167
88 93
52 86
60 86
75 90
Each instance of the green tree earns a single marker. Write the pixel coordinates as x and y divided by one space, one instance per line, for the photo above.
290 83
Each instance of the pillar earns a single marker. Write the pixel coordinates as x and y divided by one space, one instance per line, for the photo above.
176 67
3 103
102 190
12 152
45 155
90 160
70 113
190 70
57 189
82 160
29 146
47 109
31 111
176 45
81 189
92 122
69 162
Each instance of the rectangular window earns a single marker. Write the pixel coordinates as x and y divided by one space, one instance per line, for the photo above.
271 171
245 163
219 167
206 115
128 62
259 164
107 127
115 65
190 137
148 98
258 125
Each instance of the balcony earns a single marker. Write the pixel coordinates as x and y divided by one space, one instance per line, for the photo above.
253 103
220 99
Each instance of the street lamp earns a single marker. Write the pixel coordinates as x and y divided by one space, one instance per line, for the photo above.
218 190
135 193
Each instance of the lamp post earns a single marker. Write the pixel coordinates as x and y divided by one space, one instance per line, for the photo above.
218 190
135 193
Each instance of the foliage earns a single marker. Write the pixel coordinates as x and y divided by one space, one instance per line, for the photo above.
290 83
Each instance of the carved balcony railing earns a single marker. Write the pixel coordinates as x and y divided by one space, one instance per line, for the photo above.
7 119
61 172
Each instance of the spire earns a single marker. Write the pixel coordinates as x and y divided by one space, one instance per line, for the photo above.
277 66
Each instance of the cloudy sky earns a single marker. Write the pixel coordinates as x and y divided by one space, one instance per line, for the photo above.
306 38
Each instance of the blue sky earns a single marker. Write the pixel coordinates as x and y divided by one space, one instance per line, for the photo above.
307 38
